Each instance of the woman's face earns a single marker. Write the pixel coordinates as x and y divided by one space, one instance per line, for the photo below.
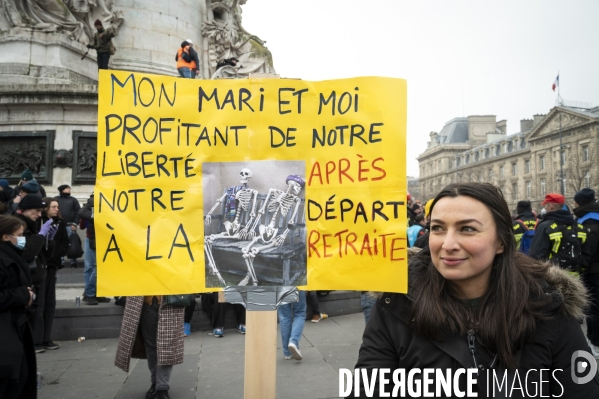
463 242
13 237
52 210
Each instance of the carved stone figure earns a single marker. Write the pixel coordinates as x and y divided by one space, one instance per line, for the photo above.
227 38
63 159
72 17
27 156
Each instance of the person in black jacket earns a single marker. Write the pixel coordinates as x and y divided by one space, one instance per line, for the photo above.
90 272
473 302
587 212
43 334
193 54
548 233
38 248
6 196
524 220
17 356
69 207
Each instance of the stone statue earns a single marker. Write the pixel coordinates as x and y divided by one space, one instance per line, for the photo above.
72 17
227 38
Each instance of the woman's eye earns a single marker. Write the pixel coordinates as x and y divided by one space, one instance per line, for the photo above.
468 229
436 228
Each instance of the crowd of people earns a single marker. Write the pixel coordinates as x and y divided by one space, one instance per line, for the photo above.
499 277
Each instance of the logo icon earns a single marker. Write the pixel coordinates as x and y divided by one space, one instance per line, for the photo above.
579 366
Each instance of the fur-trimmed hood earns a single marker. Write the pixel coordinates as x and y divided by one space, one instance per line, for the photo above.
568 291
573 293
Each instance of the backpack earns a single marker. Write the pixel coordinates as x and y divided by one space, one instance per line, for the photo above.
569 253
526 237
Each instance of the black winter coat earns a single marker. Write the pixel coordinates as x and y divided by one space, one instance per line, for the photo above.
389 343
87 214
541 245
592 228
15 330
35 249
69 207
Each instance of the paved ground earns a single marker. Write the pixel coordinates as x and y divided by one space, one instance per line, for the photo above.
213 368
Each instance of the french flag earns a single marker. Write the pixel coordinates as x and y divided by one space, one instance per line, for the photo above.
556 83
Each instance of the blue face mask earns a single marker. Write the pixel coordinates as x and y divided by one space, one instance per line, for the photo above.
20 242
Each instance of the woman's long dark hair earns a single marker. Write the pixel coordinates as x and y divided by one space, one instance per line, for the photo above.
505 318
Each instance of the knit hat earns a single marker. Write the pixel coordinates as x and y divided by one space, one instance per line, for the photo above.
27 175
554 198
296 179
189 41
4 183
97 22
523 206
31 187
61 188
584 196
31 202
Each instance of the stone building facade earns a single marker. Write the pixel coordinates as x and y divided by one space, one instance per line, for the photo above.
525 165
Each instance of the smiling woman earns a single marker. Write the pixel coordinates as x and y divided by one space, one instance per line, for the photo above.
473 302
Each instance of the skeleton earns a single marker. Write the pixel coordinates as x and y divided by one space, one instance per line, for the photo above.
276 201
234 197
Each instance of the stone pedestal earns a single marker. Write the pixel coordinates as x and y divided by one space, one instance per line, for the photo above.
48 79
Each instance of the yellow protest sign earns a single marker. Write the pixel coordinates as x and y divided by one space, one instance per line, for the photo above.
207 183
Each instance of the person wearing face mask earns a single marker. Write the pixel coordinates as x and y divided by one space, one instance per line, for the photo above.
17 355
69 207
43 332
39 247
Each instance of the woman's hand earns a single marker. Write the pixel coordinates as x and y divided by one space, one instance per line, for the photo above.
31 297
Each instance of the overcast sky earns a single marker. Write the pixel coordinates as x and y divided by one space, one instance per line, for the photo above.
459 57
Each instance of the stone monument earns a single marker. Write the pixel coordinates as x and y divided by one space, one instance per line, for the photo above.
48 79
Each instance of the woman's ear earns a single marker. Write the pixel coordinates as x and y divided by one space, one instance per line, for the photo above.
500 249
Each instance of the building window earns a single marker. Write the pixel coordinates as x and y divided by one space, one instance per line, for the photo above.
528 189
490 174
527 166
515 191
587 179
514 169
543 187
585 153
480 176
542 162
501 171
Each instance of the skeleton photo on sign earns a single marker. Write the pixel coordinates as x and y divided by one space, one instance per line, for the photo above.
240 223
276 202
234 197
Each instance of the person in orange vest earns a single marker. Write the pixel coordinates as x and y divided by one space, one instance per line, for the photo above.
184 61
